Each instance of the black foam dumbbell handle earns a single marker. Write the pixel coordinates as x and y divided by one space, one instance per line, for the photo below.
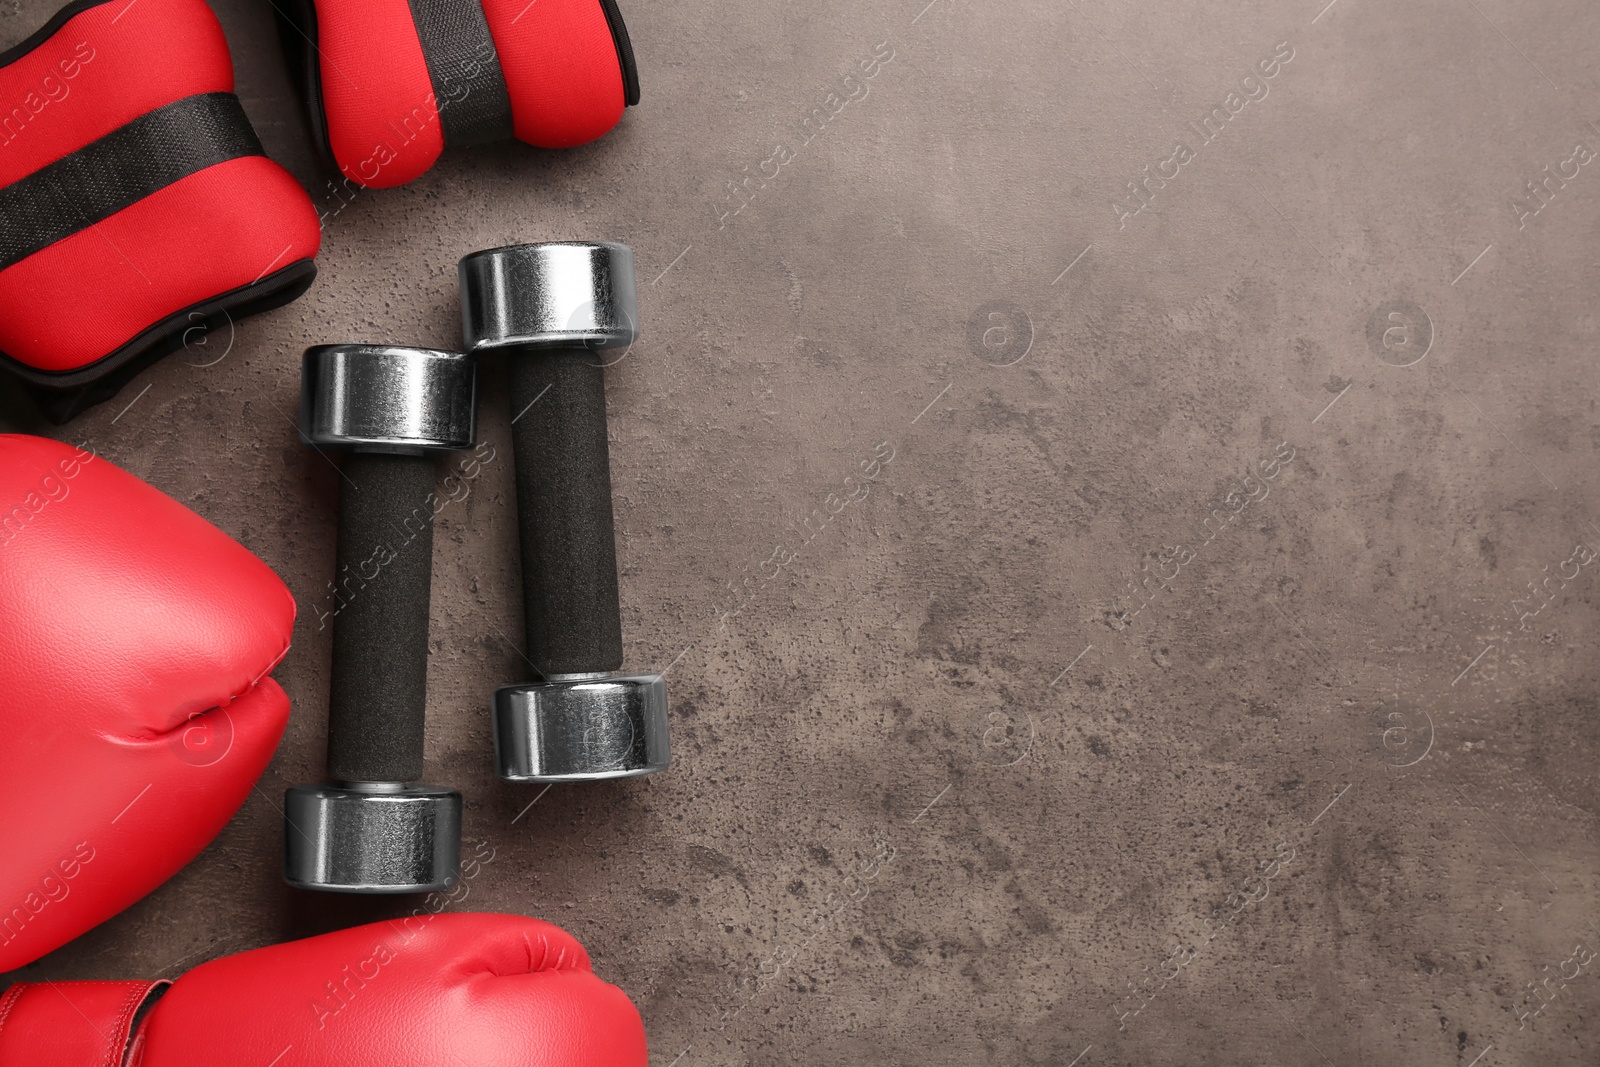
569 550
380 632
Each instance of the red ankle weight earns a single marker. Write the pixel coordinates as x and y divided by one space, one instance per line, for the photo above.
390 83
135 202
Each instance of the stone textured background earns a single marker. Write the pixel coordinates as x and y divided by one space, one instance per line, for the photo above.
899 829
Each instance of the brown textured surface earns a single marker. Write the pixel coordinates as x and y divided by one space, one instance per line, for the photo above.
1031 844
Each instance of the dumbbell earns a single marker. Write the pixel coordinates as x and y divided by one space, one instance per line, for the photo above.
391 411
553 309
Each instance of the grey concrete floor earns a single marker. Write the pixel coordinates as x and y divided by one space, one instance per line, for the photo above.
1158 676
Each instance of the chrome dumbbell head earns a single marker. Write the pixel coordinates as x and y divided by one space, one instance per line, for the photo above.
576 294
576 728
386 398
360 838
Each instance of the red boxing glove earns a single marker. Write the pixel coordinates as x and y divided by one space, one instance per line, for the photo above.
390 83
464 989
133 693
139 207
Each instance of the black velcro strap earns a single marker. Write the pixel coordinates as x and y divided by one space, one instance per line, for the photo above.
468 85
145 156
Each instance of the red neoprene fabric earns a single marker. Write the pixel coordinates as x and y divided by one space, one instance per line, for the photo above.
383 123
134 700
558 56
222 228
157 52
561 67
446 990
158 256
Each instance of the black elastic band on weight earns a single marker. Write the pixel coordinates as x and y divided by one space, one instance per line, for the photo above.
468 85
128 164
619 37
